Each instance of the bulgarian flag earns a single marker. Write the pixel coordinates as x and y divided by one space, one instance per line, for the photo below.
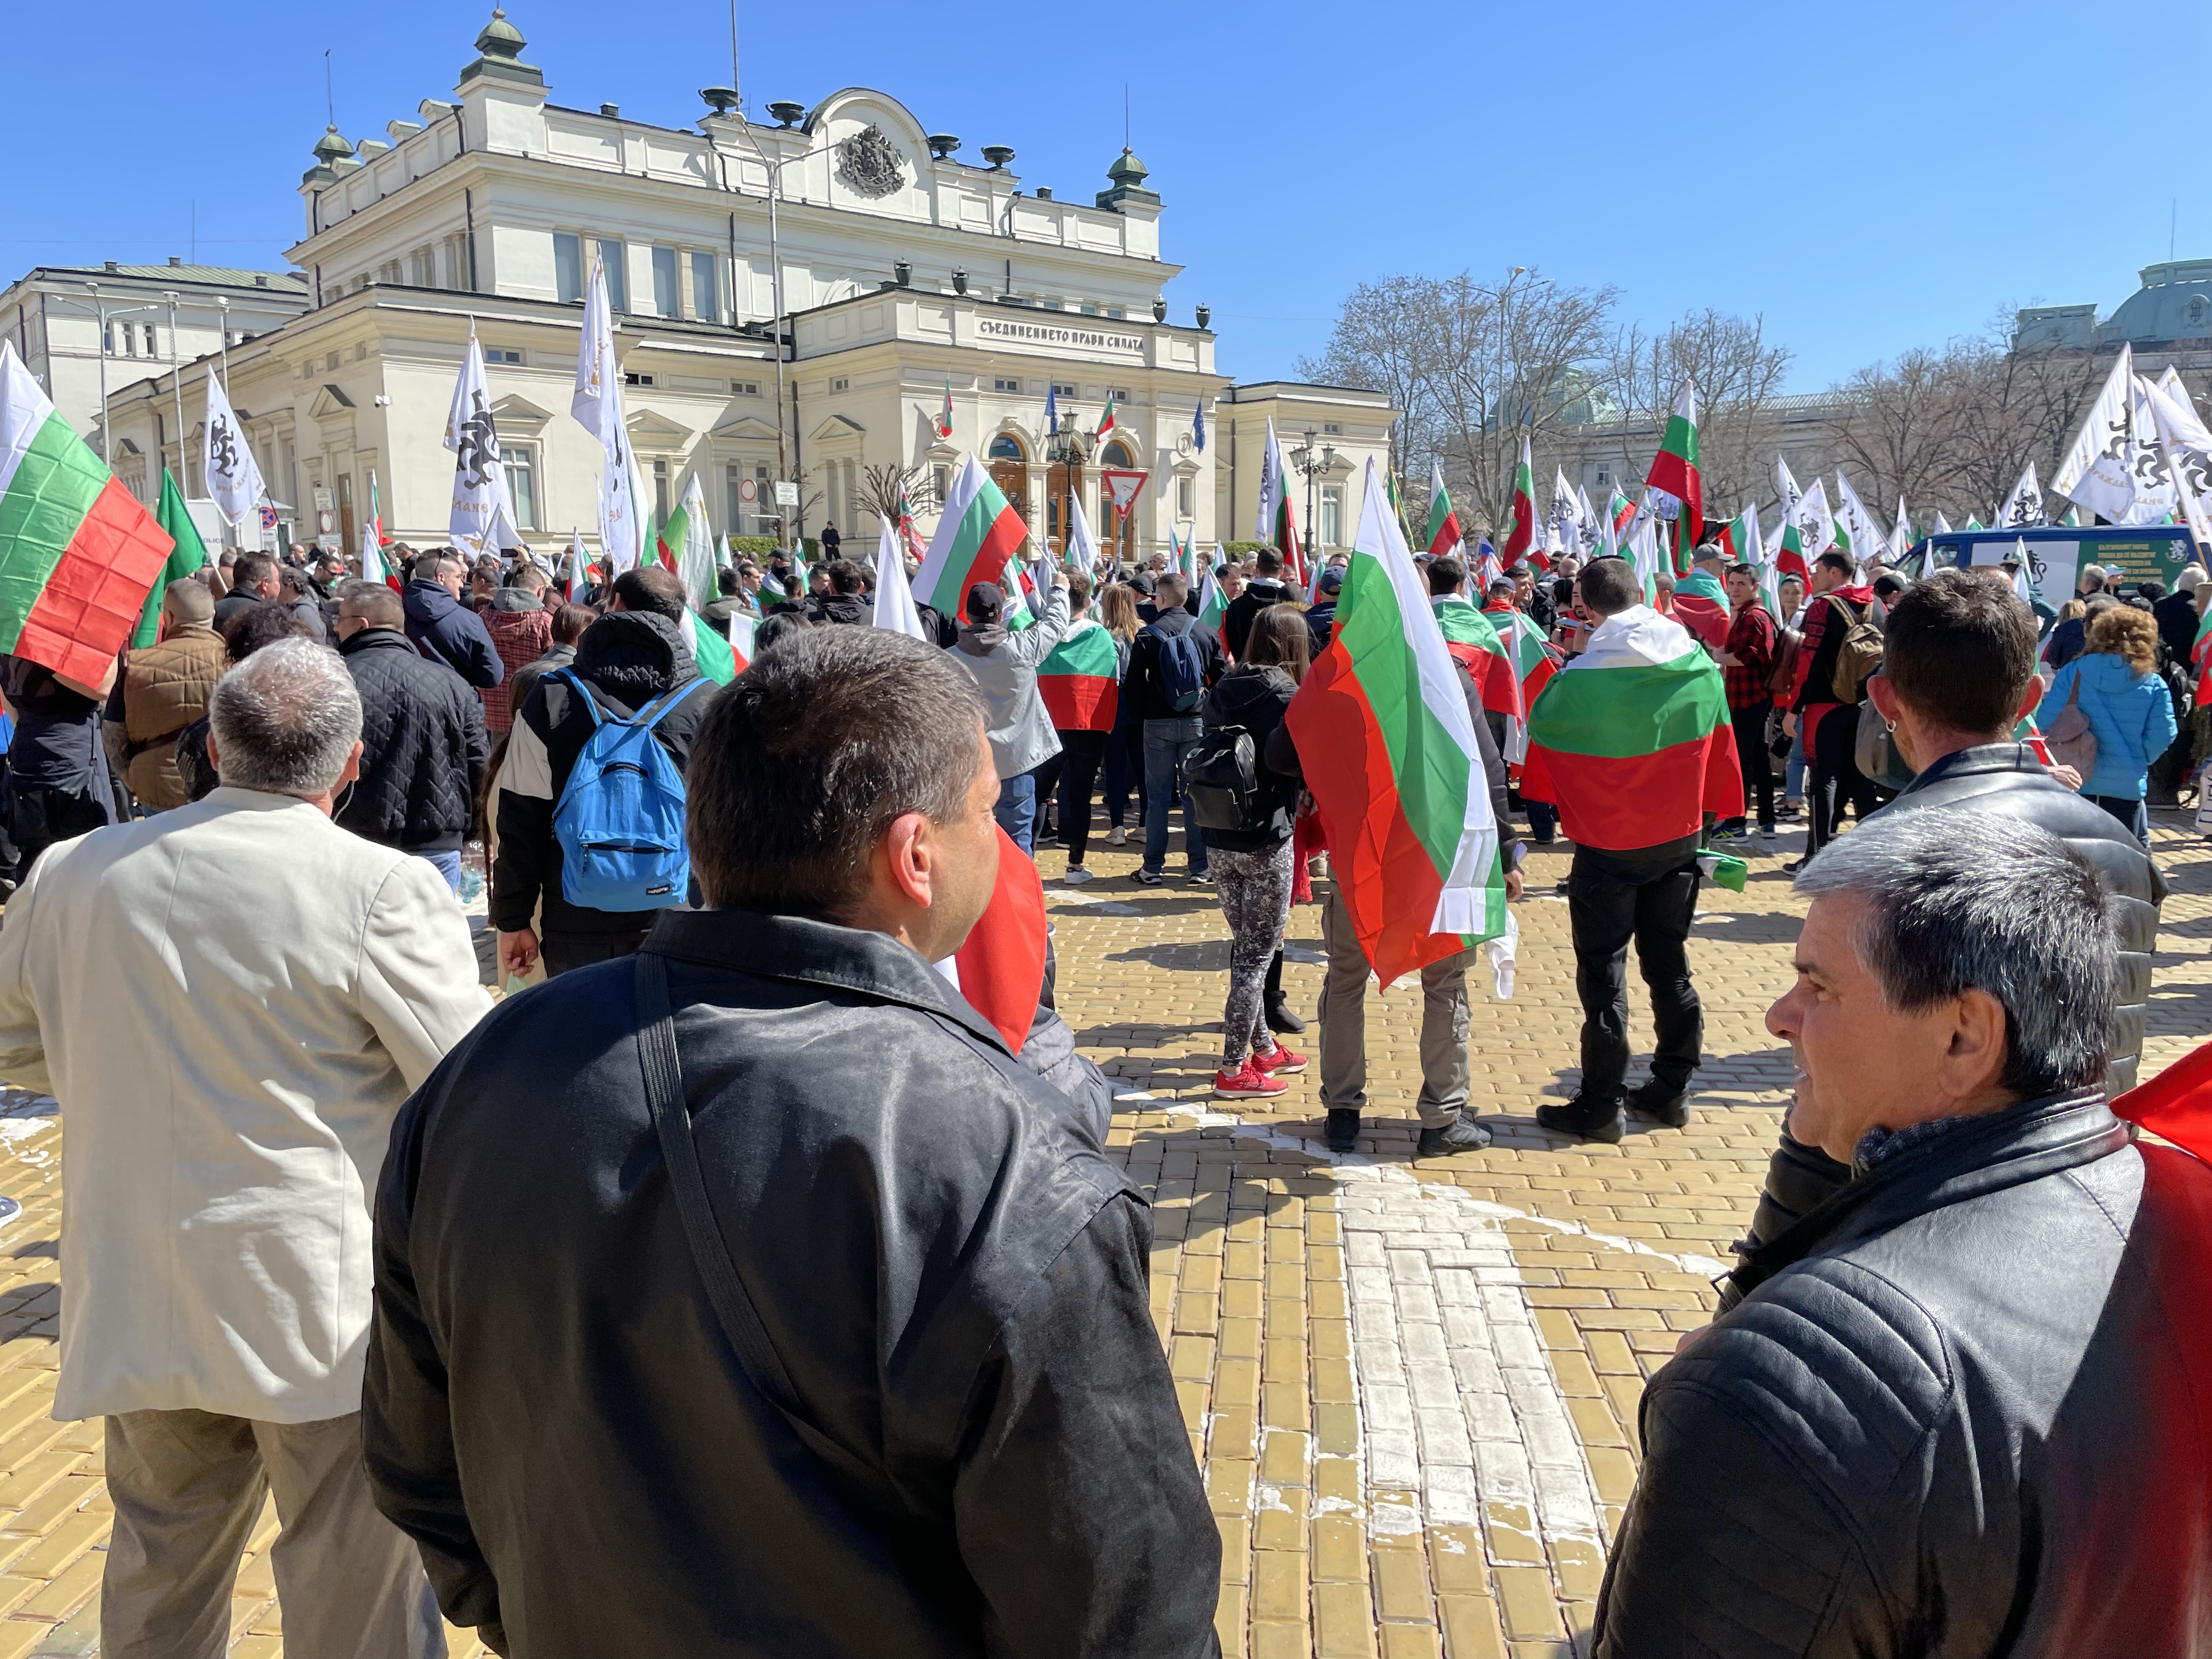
1213 606
1278 525
1472 638
944 416
1443 523
1674 472
1631 740
1079 680
999 968
2203 659
1106 420
711 649
77 552
979 539
1523 534
190 555
1533 664
1392 761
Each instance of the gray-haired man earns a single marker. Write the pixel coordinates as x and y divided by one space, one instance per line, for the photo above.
1964 1403
231 1002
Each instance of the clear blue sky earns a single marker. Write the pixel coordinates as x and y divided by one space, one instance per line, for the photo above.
1869 180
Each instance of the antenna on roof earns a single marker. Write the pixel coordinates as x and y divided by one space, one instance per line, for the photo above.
736 85
1125 115
329 104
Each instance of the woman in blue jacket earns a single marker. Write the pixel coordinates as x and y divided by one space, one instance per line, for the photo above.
2129 710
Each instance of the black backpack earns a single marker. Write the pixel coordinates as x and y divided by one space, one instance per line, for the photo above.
1221 775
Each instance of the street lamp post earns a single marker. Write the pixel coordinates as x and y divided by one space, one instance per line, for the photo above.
177 385
1070 448
100 310
1312 465
776 279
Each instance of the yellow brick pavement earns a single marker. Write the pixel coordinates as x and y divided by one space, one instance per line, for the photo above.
1411 1388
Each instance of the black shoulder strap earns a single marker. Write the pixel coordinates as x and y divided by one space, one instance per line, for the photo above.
710 1253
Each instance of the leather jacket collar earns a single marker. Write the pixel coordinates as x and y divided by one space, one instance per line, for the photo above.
1982 758
810 952
2019 1144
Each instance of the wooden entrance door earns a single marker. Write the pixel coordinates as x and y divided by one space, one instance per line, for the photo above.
1062 482
1009 467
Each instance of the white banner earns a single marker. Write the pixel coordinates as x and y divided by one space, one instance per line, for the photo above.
2095 474
232 480
481 520
597 403
2023 507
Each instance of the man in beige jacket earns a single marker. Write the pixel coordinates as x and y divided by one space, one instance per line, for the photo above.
231 1001
164 690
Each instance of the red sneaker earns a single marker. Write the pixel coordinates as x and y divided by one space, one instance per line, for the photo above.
1247 1083
1279 1061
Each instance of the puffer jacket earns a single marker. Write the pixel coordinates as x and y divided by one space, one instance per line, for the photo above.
446 630
1004 666
853 610
625 659
2007 779
987 1456
1962 1408
2130 712
165 690
423 748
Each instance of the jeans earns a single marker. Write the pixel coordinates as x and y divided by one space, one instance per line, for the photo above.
1125 764
1016 810
1543 819
2130 812
448 866
1752 754
1793 771
1074 773
1166 743
1343 1017
1648 895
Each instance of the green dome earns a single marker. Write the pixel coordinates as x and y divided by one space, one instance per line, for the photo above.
330 147
1127 169
500 39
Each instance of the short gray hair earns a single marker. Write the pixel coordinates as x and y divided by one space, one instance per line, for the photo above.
285 719
1961 901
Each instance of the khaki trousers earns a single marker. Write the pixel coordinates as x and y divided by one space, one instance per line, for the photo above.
1344 1025
188 1487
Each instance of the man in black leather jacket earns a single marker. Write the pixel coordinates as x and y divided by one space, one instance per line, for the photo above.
977 1447
1963 1407
1958 673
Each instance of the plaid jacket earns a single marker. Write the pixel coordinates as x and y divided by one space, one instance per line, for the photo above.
1751 642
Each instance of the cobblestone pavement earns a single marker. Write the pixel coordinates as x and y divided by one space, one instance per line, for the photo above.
1413 1388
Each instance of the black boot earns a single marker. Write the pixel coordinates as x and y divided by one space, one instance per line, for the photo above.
1586 1119
1670 1106
1342 1133
1464 1135
1280 1020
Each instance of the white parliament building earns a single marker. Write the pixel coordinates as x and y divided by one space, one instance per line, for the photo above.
904 270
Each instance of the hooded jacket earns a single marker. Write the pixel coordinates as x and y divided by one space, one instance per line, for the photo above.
993 1459
1259 593
423 748
2007 779
446 630
1825 628
1962 1408
855 610
1254 699
2131 712
1004 666
1143 675
625 659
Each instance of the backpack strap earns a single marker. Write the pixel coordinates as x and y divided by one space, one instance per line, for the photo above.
655 713
577 686
733 1302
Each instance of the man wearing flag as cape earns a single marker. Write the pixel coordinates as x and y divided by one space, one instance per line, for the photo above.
1632 740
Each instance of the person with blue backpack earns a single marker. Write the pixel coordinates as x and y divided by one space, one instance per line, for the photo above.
1171 666
590 801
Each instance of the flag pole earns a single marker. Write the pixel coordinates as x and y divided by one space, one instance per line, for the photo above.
177 386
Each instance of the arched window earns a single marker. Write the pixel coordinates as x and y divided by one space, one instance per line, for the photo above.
1007 447
1115 455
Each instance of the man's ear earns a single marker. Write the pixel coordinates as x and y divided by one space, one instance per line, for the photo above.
1883 695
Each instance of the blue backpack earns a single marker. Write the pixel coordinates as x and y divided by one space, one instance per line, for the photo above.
1182 669
620 822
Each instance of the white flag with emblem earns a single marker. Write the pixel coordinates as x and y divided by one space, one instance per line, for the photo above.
1867 540
482 520
2023 507
233 479
597 403
2187 446
2095 474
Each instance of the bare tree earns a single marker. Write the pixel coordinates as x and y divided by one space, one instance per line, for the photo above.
1380 344
883 488
1737 374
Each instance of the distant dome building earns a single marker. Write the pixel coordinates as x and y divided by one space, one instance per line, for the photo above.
2168 319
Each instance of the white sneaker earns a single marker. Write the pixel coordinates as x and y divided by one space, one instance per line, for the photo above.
1076 875
1117 836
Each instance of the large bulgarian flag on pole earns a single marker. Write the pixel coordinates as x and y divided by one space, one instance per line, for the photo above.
1393 765
1534 662
1079 680
188 556
979 539
77 552
1631 740
1675 472
1523 536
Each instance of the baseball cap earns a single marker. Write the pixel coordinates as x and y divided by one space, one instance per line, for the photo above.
985 601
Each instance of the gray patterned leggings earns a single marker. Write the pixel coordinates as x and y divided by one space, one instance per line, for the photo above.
1255 897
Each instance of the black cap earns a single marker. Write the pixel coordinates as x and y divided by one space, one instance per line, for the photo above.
985 603
1331 580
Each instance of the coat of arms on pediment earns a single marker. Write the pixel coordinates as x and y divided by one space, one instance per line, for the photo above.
870 165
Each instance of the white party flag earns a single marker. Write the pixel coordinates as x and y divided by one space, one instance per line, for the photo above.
2095 474
233 479
695 559
597 403
483 518
2023 507
894 607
